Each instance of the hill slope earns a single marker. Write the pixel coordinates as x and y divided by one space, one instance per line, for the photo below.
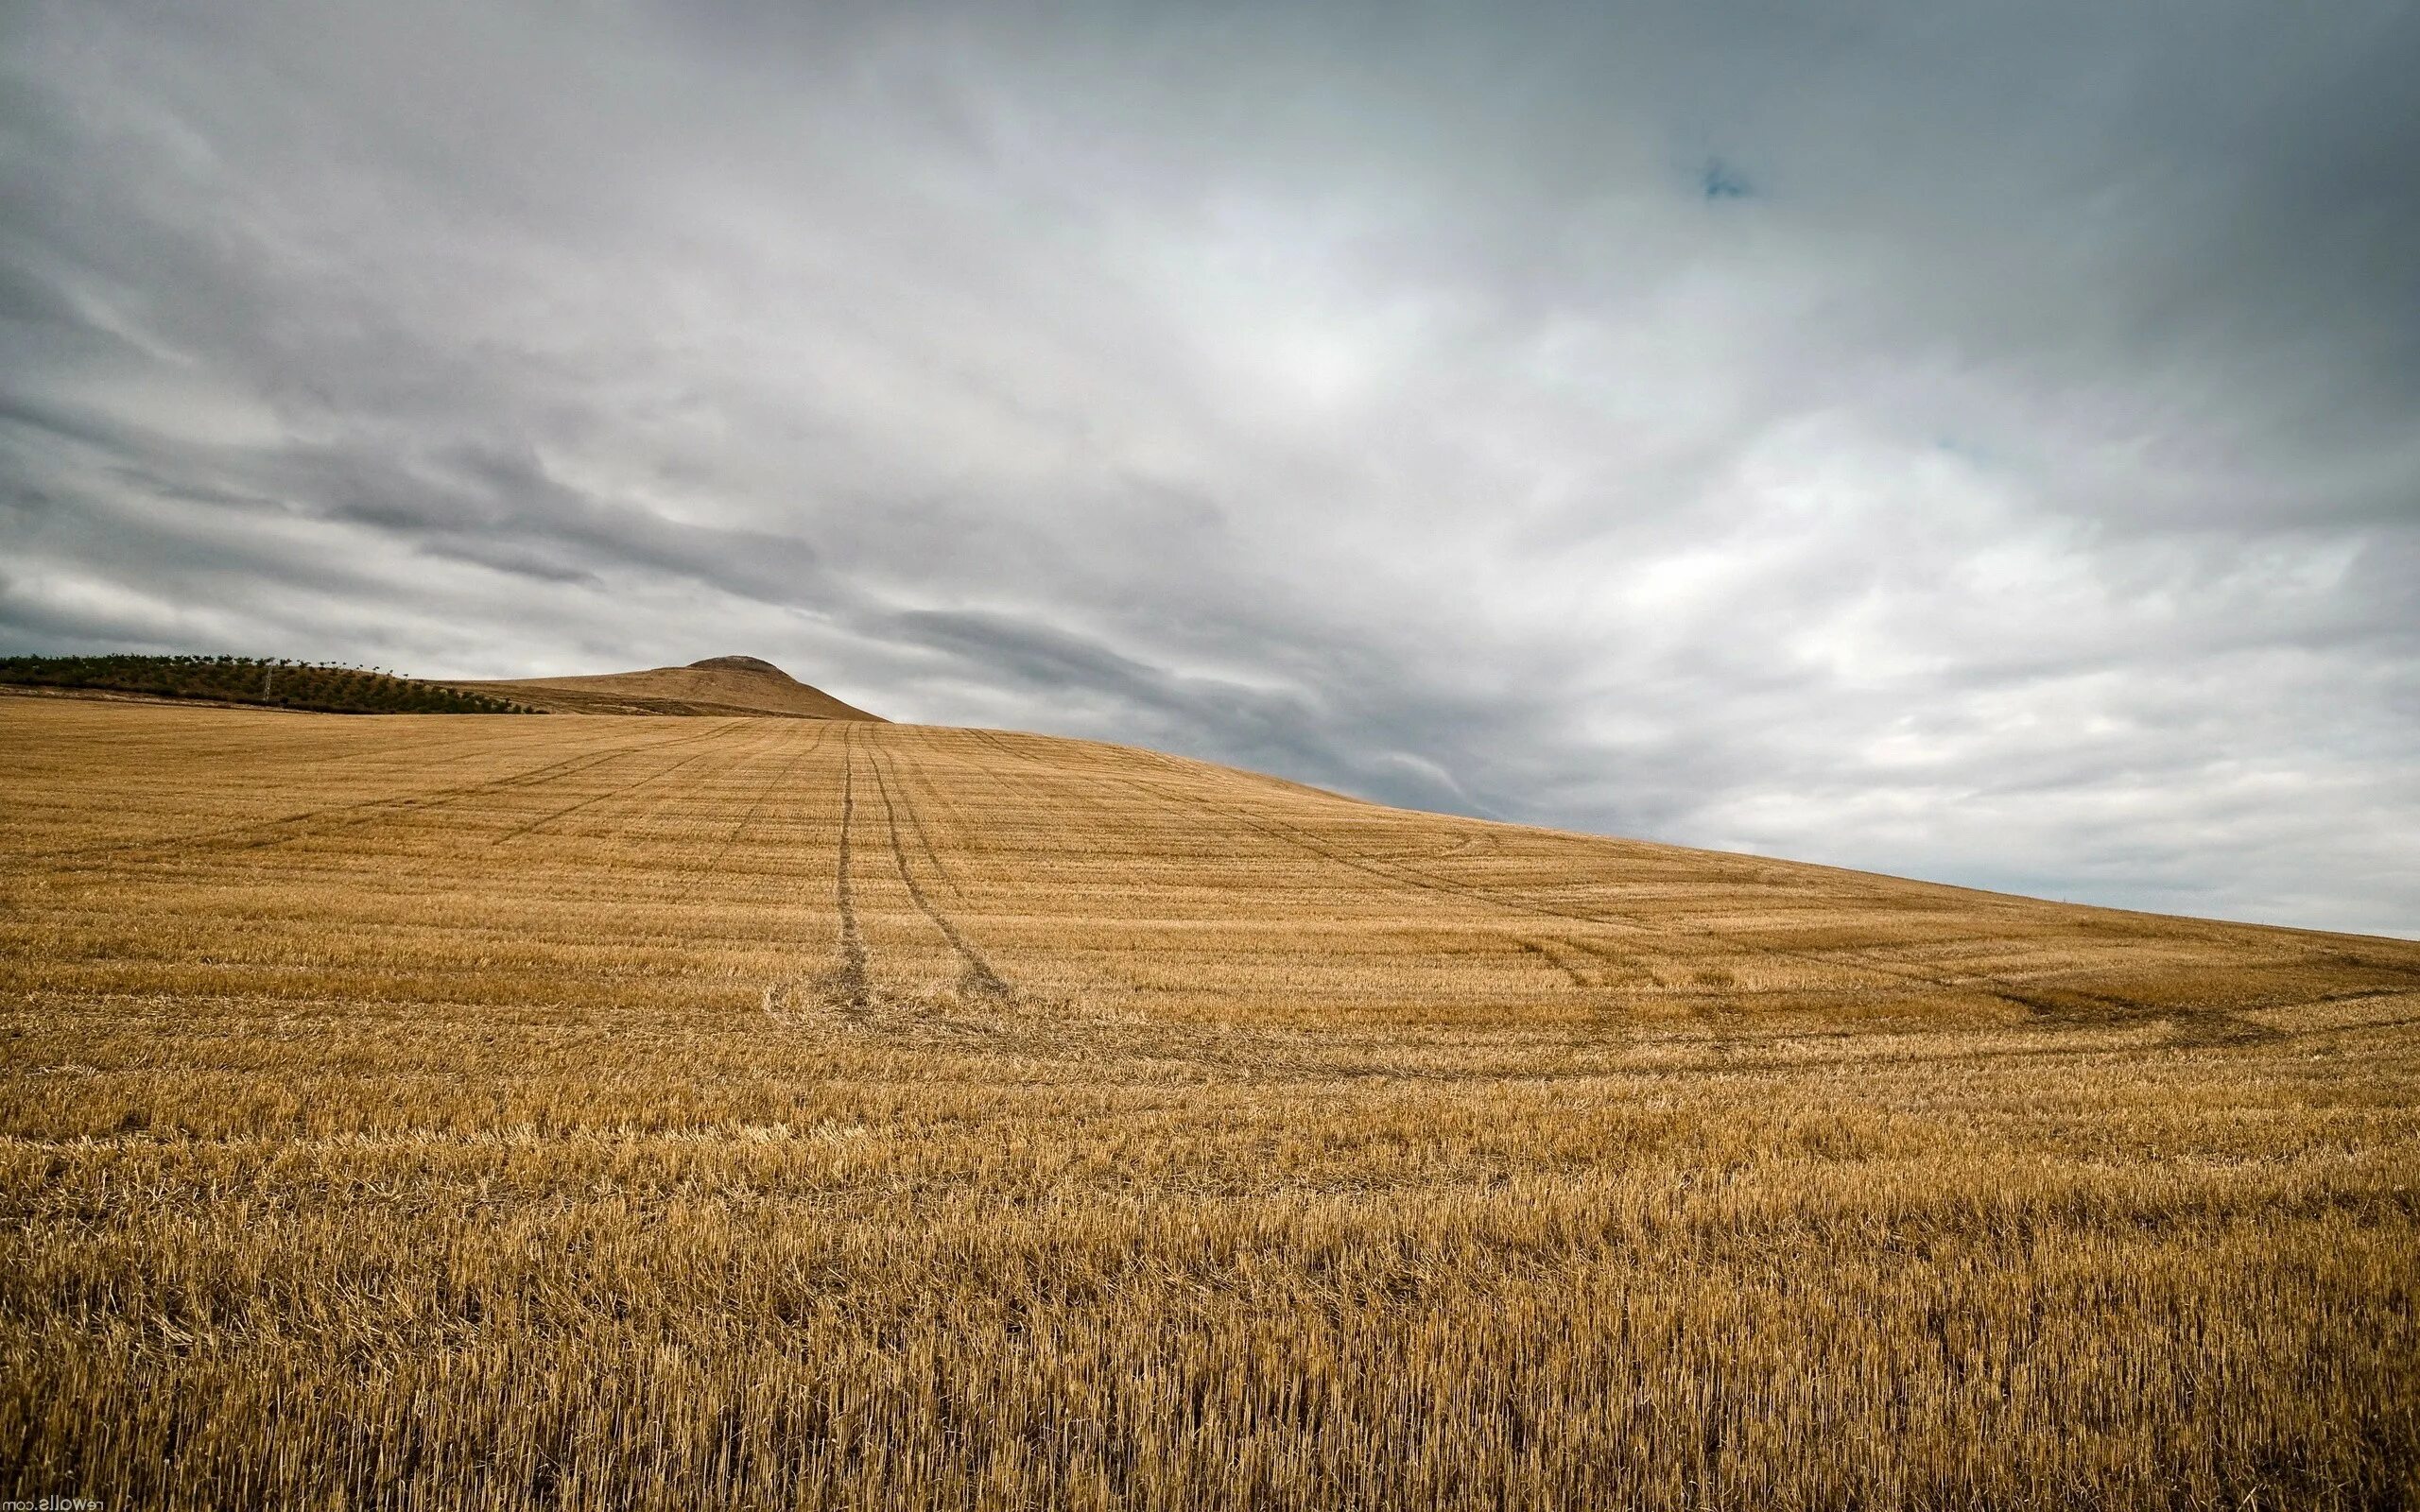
902 1117
719 685
1129 878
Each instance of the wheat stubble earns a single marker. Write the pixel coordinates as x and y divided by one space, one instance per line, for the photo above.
392 1116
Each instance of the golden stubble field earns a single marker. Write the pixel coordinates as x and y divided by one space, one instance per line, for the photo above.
651 1113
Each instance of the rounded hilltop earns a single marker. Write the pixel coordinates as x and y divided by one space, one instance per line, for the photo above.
719 685
740 663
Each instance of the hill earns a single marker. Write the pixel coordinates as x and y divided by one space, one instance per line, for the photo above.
881 1115
252 681
719 685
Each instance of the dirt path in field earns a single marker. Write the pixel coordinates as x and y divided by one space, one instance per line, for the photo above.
847 983
976 978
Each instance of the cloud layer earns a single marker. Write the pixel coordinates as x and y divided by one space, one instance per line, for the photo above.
1972 442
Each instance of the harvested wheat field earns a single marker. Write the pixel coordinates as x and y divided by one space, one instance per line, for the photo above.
755 1112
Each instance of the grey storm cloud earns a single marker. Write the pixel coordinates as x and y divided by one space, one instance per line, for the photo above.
1972 442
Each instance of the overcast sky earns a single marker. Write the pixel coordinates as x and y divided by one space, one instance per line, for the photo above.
1973 441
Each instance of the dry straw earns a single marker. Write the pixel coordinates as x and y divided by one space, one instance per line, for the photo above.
431 1112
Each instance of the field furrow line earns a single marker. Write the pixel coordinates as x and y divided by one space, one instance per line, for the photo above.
1409 877
1412 880
722 852
569 809
1391 873
975 975
2060 1006
352 815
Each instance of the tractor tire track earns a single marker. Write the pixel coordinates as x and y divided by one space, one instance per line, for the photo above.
1386 872
2061 1006
924 841
975 976
2056 1006
1411 878
1545 952
846 984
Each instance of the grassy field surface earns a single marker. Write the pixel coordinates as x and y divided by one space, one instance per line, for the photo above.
656 1112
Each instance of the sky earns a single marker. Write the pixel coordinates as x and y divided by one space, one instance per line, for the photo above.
1977 442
